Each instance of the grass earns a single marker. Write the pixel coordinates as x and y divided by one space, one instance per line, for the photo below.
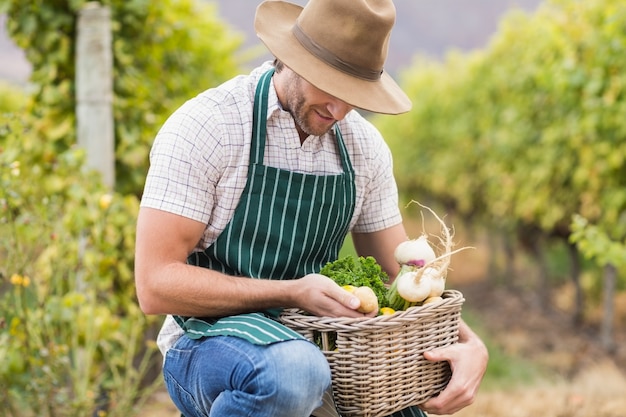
503 370
597 392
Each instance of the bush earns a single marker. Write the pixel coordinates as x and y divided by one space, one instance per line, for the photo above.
71 334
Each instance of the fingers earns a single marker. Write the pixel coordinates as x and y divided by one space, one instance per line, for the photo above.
463 385
340 295
449 401
436 355
347 299
325 298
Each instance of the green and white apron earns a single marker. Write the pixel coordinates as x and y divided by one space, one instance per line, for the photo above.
285 226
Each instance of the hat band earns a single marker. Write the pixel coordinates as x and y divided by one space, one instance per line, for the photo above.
331 59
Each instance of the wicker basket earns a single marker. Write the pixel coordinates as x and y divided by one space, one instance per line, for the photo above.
377 364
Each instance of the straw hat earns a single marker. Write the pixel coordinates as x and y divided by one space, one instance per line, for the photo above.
339 46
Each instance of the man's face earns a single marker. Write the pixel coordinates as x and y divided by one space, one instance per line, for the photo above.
314 111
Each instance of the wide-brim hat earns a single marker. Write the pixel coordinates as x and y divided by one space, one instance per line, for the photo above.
339 46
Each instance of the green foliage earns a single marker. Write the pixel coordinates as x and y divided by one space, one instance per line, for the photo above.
70 329
71 333
596 244
527 133
505 369
14 99
164 52
359 272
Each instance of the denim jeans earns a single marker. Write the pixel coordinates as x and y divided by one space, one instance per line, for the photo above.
229 376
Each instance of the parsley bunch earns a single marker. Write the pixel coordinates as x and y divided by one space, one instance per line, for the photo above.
360 272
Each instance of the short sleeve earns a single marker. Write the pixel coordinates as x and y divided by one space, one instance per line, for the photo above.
185 161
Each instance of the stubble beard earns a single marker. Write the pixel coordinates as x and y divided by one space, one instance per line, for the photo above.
301 112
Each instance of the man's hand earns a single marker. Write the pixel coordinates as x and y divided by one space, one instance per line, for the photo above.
321 296
468 360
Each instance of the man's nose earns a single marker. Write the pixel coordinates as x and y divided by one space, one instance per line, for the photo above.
338 108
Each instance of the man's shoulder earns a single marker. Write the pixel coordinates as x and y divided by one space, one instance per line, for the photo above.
232 97
235 92
238 88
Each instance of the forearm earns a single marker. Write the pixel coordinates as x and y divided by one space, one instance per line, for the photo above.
189 290
166 284
381 246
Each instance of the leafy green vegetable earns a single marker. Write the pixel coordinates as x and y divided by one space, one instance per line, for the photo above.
359 272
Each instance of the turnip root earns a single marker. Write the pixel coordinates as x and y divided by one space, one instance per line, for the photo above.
437 282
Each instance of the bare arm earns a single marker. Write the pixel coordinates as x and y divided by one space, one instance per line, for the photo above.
167 285
381 246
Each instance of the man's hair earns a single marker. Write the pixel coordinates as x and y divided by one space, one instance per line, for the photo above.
278 65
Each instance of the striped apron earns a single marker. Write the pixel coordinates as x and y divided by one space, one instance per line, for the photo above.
286 225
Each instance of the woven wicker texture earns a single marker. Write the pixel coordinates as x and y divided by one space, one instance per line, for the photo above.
377 364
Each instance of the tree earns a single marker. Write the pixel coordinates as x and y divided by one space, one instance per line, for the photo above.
164 52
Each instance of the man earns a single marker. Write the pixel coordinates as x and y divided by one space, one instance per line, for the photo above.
252 188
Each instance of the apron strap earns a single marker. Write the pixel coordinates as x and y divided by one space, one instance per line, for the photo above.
259 119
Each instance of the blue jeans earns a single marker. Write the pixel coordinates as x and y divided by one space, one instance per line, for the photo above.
228 376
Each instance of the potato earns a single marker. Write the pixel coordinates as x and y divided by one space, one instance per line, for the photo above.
369 302
433 300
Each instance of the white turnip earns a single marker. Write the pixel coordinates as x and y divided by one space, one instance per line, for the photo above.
421 269
416 252
412 287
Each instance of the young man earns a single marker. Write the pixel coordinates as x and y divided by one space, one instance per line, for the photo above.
252 188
